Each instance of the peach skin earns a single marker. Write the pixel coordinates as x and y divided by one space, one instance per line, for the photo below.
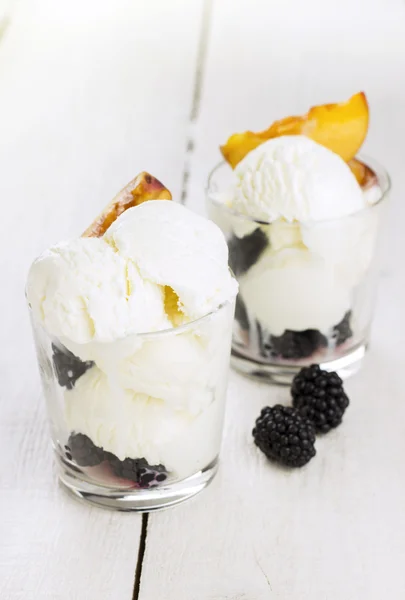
141 189
340 127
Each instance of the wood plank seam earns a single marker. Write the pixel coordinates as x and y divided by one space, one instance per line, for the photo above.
82 62
206 20
324 532
201 59
141 554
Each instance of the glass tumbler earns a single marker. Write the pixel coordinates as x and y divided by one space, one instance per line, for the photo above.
136 424
306 289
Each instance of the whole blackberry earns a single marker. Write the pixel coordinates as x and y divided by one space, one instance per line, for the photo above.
343 331
138 470
320 397
292 345
83 451
68 367
244 252
285 436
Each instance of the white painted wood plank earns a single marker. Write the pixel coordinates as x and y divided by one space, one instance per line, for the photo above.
91 94
335 529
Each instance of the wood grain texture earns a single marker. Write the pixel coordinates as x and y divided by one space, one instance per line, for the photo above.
91 94
335 529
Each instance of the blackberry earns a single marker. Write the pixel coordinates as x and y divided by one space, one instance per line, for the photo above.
291 345
68 453
150 476
68 367
342 331
320 397
81 449
244 252
285 436
138 470
241 313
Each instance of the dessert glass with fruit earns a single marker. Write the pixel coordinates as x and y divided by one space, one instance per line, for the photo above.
132 324
301 214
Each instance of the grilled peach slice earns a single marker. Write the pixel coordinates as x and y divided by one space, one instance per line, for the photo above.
141 189
340 127
366 178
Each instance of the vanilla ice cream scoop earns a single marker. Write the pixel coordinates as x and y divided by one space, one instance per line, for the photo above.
103 289
294 178
175 247
121 421
132 424
84 291
295 290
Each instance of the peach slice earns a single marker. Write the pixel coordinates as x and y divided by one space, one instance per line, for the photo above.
366 178
141 189
340 127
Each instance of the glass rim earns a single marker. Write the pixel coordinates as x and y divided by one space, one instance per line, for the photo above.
142 334
383 178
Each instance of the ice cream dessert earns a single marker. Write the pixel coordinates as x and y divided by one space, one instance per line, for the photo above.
133 324
301 215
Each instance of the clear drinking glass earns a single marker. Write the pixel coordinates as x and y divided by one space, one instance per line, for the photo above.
306 290
136 424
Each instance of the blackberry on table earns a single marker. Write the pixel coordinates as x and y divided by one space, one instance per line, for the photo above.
138 470
343 331
83 451
68 367
291 345
285 436
244 252
320 397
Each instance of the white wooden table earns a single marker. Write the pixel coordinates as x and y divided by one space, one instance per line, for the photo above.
91 93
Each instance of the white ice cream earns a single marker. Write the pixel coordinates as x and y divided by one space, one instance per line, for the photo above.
294 178
147 396
321 241
85 291
175 247
168 366
102 289
346 245
133 424
292 289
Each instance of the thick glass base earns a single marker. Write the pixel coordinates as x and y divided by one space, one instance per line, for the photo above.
283 373
146 500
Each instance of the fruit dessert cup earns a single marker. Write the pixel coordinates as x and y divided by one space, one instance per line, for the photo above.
140 426
301 216
133 351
